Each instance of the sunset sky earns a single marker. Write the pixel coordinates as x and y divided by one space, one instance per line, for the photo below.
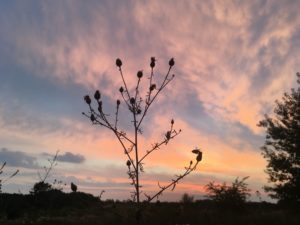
233 60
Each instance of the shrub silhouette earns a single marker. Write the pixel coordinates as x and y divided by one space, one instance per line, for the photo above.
187 199
42 185
138 106
73 187
231 196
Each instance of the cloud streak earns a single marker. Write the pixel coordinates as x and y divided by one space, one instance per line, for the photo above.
71 158
233 59
17 159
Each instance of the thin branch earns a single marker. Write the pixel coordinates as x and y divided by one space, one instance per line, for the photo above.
174 182
117 114
11 176
117 133
150 101
137 88
137 186
52 163
157 145
109 127
126 89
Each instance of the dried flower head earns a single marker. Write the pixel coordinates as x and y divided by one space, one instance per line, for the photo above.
118 62
92 118
132 101
139 111
171 62
100 106
128 163
196 151
152 63
139 74
121 89
172 121
168 135
97 95
152 87
87 99
199 157
118 102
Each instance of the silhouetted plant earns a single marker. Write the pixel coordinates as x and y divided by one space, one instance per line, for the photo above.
100 195
282 147
2 181
234 195
73 187
186 198
42 185
138 107
258 195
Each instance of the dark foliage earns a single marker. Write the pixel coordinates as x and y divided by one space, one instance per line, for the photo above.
80 209
41 187
282 147
187 199
13 206
232 196
73 187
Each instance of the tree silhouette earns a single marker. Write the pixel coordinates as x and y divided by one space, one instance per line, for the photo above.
138 107
282 147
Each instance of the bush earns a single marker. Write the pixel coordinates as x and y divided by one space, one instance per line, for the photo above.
186 198
41 187
232 196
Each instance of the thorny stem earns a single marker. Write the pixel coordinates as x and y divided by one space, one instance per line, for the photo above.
109 127
125 150
151 76
149 93
115 132
173 183
157 145
134 112
11 176
137 89
136 158
126 89
125 101
52 162
116 120
118 135
149 100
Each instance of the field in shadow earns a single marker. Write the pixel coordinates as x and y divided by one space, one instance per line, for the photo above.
77 208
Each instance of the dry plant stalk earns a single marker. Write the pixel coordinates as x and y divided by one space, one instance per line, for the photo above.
2 181
138 107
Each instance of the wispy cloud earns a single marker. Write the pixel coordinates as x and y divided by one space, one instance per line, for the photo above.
71 158
233 59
